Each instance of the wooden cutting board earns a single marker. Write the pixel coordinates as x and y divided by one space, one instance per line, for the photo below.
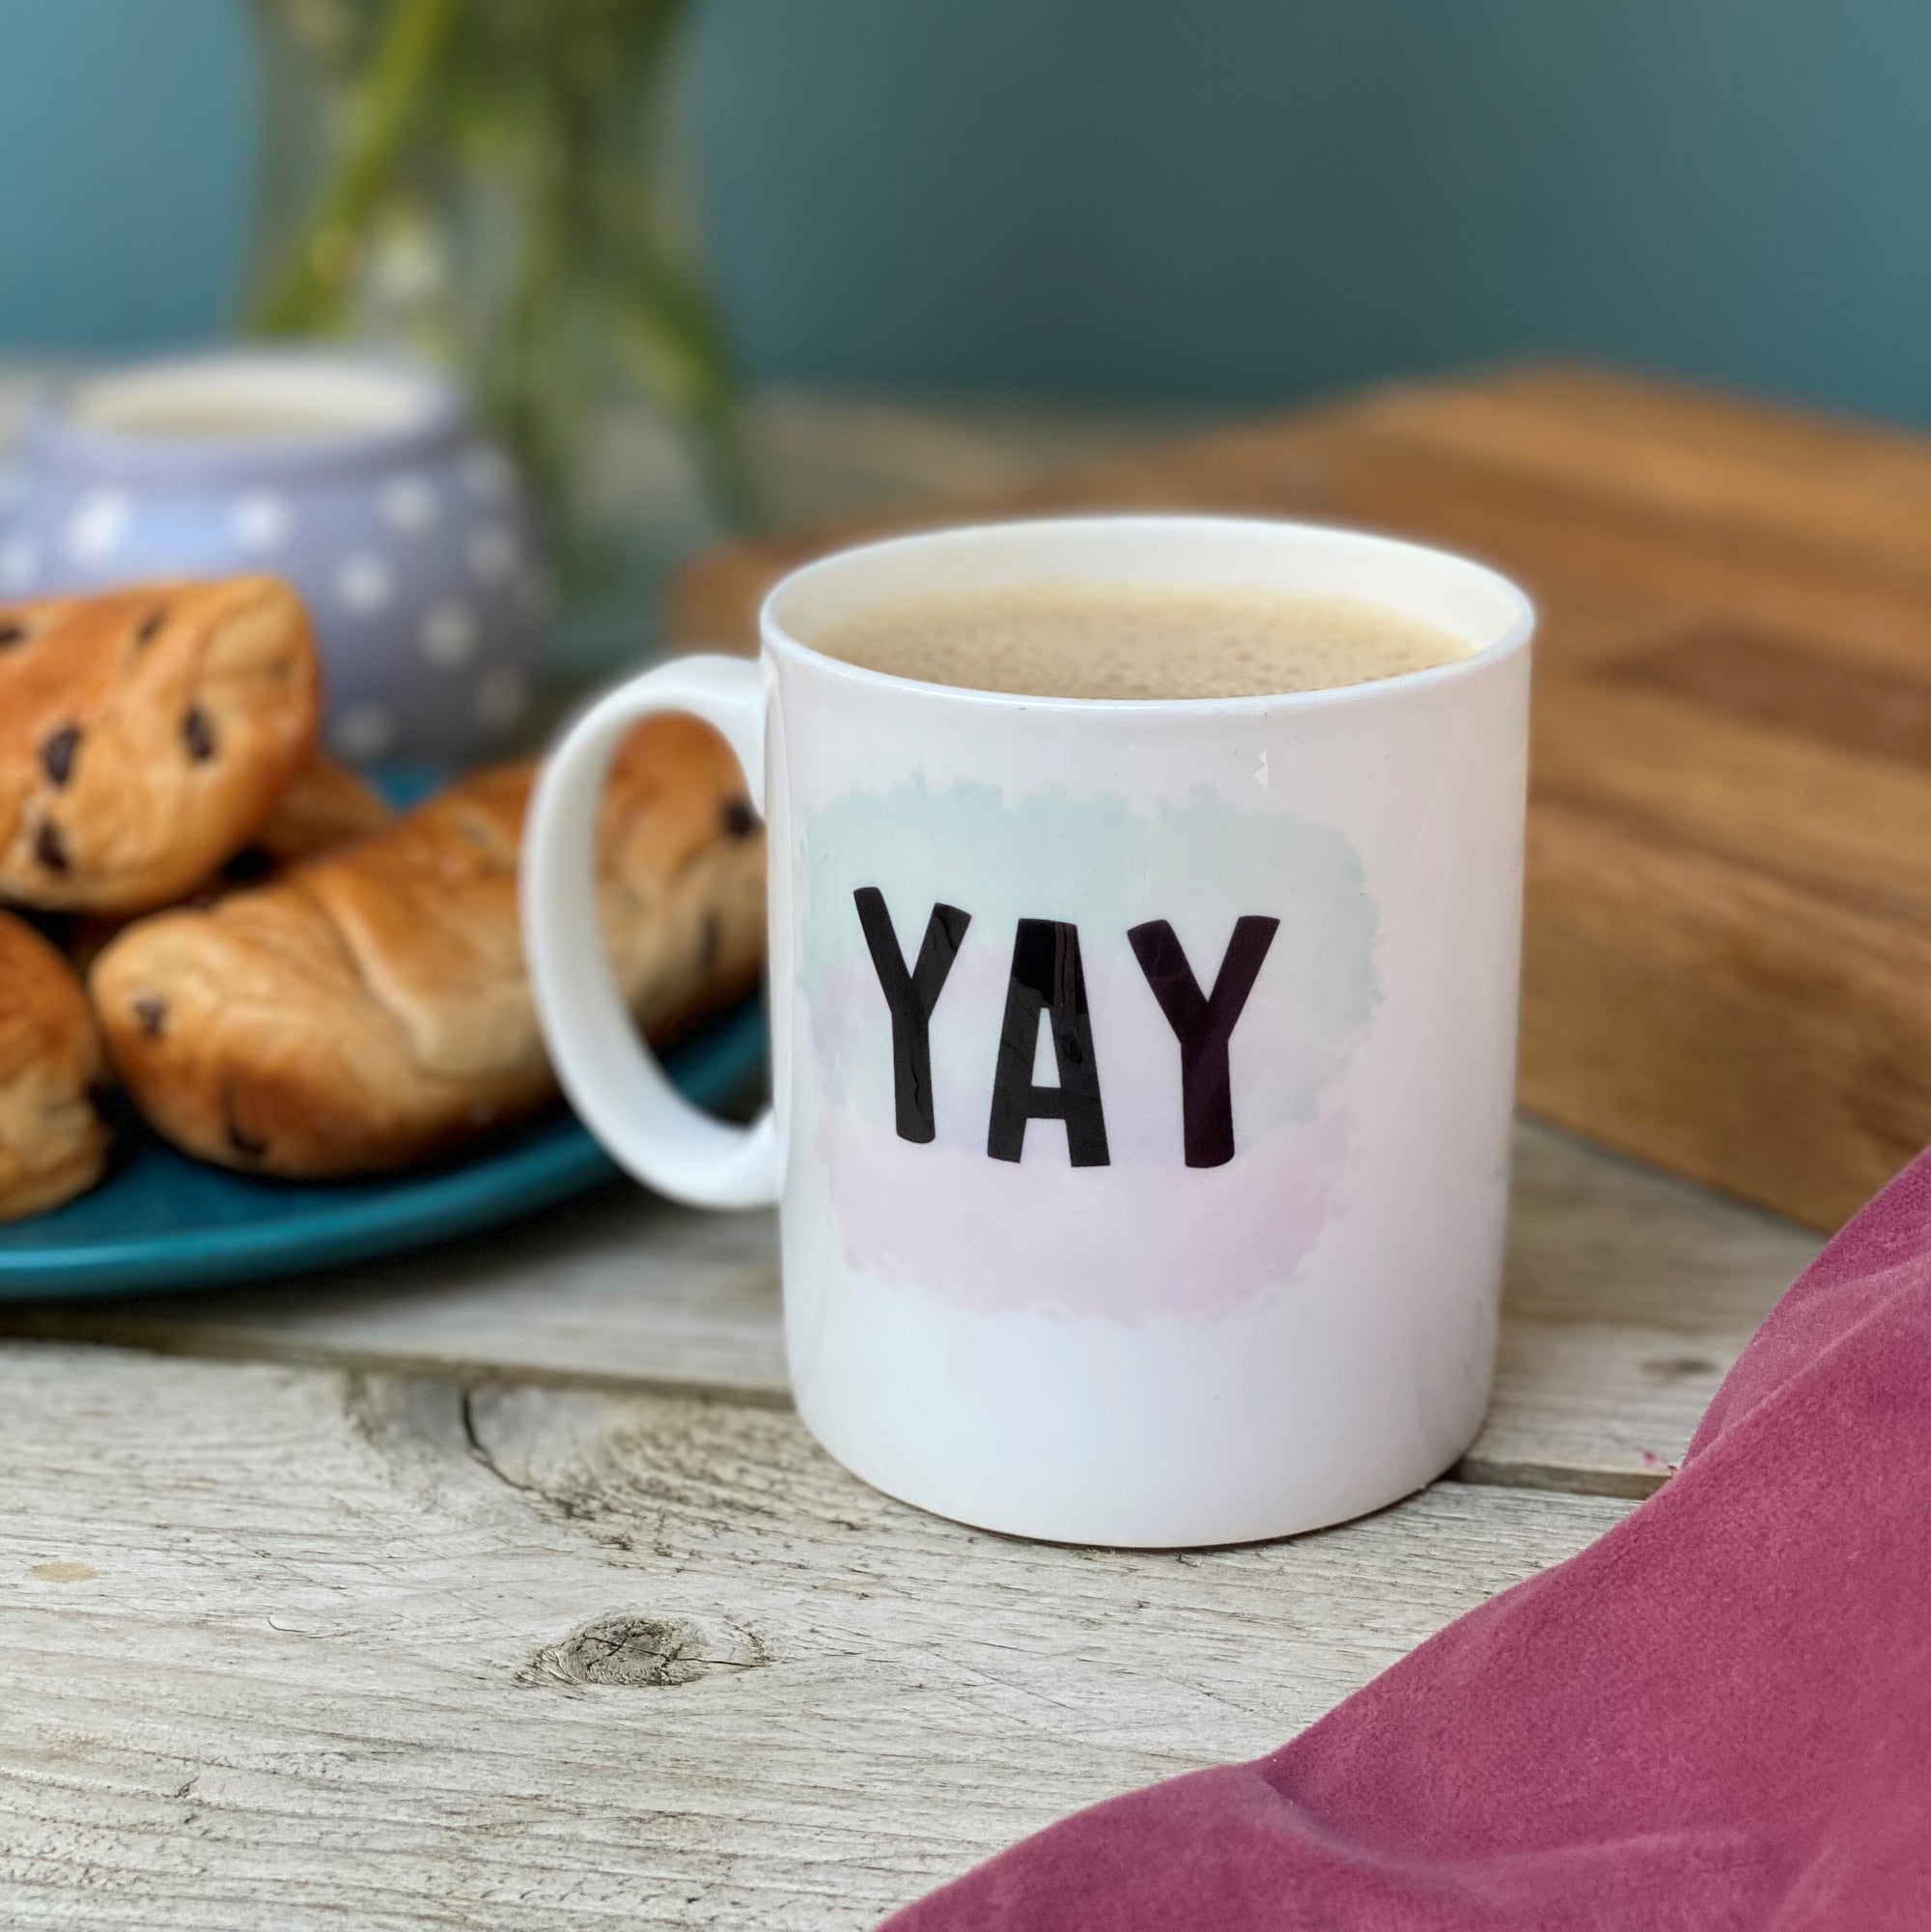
1728 946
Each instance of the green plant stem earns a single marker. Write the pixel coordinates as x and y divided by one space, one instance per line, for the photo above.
536 106
310 298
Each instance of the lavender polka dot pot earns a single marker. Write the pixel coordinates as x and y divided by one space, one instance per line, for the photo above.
363 482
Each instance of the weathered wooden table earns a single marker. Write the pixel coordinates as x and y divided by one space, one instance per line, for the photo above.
500 1587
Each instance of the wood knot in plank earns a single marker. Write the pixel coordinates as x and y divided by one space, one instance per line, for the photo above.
644 1652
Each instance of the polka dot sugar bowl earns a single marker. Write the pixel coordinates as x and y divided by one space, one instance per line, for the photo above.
362 482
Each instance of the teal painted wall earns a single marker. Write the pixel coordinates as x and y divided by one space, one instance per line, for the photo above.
1227 200
124 194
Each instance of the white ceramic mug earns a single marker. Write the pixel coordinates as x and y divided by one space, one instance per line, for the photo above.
1078 1241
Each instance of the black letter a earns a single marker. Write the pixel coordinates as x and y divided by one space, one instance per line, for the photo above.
1203 1026
1047 978
911 997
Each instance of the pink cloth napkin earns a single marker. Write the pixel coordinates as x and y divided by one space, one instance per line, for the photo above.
1717 1717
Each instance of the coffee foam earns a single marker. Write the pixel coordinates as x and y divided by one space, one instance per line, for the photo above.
1075 639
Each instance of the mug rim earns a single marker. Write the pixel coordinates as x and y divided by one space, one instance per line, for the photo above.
428 414
778 640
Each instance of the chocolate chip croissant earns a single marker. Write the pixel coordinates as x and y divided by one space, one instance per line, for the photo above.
368 1008
52 1143
146 736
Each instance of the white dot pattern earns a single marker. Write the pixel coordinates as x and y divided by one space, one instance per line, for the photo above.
261 522
364 585
431 555
448 635
410 505
94 530
364 731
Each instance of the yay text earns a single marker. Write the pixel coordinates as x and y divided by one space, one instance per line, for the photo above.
1048 984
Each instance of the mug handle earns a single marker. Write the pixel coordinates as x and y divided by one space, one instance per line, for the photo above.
612 1078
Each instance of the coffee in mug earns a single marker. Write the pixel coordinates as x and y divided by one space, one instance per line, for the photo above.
1071 639
1145 912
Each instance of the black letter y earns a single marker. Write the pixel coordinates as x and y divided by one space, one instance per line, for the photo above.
1203 1026
911 997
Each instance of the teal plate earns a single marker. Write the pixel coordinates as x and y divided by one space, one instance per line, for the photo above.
161 1221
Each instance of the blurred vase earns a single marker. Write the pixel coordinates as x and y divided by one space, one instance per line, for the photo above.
481 183
361 481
